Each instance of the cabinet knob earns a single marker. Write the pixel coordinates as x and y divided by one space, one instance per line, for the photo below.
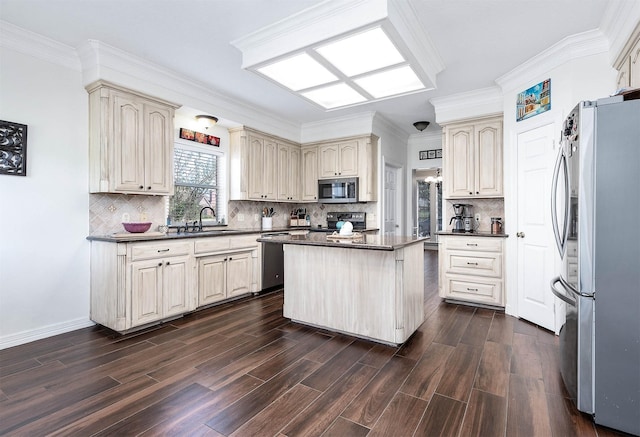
230 258
141 187
159 264
470 192
520 234
167 263
477 192
148 188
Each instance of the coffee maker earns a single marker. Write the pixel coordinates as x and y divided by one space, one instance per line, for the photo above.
458 219
468 219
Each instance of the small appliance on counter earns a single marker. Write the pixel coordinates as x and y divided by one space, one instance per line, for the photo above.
457 221
469 221
496 225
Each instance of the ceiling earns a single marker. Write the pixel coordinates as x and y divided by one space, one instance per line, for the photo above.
478 41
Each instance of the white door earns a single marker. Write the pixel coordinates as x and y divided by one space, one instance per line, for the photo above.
536 251
391 199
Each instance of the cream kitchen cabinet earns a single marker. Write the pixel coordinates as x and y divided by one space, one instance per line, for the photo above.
348 157
472 269
253 165
227 267
138 283
309 174
130 141
223 276
338 160
473 159
288 173
628 63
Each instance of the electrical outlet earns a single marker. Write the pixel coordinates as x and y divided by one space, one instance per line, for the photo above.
477 218
256 217
240 217
125 218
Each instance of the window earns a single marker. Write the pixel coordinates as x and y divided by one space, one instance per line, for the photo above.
197 177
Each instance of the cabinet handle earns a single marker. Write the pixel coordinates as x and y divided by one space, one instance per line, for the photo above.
472 264
163 250
472 244
472 289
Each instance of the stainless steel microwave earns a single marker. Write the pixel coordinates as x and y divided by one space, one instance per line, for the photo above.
342 190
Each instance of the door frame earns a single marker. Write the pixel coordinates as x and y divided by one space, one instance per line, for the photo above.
400 178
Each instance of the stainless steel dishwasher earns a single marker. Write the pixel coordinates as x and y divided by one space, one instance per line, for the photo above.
272 264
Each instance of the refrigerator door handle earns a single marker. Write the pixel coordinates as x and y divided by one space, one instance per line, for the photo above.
558 293
561 164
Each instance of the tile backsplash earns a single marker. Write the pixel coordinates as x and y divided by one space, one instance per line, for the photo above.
487 208
106 212
251 213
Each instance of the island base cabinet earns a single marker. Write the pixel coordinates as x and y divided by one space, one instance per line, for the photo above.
374 294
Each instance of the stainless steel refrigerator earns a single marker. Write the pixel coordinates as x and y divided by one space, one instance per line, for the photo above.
596 222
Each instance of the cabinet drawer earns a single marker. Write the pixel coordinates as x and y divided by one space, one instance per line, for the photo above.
477 244
244 241
478 264
211 244
139 251
474 290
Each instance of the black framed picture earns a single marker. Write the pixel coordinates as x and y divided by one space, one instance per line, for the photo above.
430 154
13 148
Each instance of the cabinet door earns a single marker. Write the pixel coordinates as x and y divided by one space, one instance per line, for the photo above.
176 286
634 61
238 273
270 169
284 174
328 161
146 292
294 174
624 80
488 159
348 159
158 122
211 279
256 168
309 174
128 144
459 161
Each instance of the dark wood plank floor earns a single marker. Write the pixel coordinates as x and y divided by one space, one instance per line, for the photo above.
242 369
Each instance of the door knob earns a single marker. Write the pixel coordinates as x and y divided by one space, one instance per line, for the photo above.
520 235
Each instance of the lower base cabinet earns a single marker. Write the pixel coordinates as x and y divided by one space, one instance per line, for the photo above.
223 276
471 269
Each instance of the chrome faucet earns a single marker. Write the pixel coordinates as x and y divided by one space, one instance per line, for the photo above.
201 211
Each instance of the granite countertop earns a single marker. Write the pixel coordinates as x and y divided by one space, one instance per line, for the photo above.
157 236
361 241
473 234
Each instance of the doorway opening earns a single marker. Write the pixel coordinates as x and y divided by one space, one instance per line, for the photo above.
427 204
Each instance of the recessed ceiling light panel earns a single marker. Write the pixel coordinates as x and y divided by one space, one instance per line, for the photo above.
334 96
391 82
298 72
362 52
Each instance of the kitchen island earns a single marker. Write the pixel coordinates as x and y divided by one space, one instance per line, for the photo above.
370 286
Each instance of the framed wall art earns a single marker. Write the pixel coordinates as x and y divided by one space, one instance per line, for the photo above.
430 154
13 148
199 137
534 100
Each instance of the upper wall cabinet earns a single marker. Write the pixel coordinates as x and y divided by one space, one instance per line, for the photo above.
347 157
628 63
472 158
130 141
263 167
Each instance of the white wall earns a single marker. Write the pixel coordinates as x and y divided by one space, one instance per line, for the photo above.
44 218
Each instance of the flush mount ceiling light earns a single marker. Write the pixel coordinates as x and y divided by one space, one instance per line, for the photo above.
206 121
421 125
339 54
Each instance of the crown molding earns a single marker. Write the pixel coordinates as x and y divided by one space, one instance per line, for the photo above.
476 103
620 21
33 44
345 126
102 61
572 47
383 124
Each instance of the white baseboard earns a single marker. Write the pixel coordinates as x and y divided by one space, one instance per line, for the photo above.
44 332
